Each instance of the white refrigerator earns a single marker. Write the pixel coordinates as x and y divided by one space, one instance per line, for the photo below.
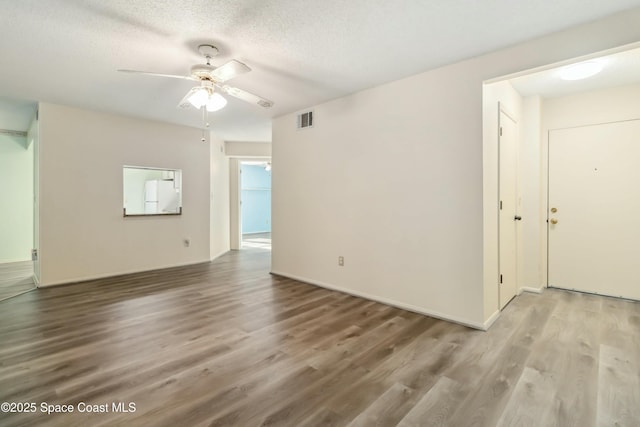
161 197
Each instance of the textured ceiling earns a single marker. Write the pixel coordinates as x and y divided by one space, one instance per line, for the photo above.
302 52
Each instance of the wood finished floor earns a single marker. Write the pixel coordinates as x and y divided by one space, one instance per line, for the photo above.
256 240
15 278
226 344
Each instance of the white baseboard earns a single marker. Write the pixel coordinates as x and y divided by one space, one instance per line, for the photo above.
491 320
16 261
531 289
219 255
393 303
124 273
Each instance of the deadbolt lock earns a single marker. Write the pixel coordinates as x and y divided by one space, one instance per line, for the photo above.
554 210
554 221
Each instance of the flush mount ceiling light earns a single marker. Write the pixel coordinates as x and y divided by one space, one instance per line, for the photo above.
581 70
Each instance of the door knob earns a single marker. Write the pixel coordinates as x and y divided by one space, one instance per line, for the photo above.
554 221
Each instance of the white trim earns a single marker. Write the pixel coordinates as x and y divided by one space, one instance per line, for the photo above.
35 279
420 310
235 199
124 273
18 294
566 62
235 221
16 261
590 124
503 109
215 257
491 320
531 289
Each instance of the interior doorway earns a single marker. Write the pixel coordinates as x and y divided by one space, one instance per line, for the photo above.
566 237
255 204
18 168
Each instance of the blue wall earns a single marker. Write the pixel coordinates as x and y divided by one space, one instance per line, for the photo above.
256 199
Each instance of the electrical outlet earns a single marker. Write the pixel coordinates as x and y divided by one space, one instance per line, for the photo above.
187 243
341 261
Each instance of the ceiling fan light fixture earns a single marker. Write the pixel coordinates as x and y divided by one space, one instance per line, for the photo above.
581 70
211 77
215 102
199 98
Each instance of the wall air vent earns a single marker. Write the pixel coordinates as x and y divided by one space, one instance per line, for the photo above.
305 120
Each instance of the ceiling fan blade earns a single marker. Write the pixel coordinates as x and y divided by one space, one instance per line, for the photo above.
157 74
229 70
184 103
247 96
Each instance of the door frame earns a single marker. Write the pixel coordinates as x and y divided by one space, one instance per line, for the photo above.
502 109
235 198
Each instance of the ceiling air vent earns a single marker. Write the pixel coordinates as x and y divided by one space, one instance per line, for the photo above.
305 120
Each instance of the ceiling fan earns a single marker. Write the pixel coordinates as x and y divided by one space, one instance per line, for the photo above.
210 79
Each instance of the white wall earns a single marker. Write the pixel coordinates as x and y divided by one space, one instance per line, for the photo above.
533 207
219 198
393 191
247 149
392 178
601 106
82 231
16 196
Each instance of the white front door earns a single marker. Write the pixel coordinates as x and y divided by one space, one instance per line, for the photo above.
508 208
594 209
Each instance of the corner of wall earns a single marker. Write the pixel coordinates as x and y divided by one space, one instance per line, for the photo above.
219 197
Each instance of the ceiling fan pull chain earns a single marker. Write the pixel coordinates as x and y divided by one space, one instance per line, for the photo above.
205 123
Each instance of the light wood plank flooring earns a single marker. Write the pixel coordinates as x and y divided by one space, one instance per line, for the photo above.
256 240
226 344
15 278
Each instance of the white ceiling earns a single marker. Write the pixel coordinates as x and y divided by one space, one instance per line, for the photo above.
16 115
302 52
622 68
